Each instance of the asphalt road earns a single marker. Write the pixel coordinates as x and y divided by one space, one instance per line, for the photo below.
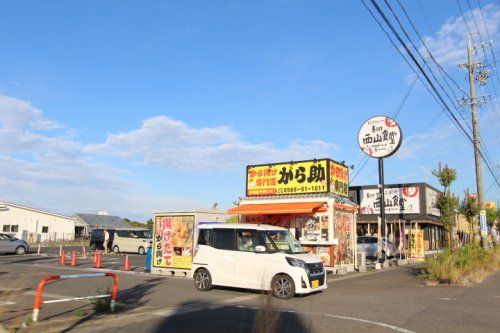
392 300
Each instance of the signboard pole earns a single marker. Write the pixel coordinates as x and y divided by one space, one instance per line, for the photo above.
380 137
382 209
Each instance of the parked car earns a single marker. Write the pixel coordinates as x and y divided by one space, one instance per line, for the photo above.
133 240
368 244
260 257
97 239
10 244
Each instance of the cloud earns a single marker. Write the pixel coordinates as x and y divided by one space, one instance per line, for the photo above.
17 114
43 164
449 45
164 142
432 143
41 167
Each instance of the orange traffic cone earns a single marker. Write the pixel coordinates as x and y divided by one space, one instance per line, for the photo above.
98 261
73 259
127 263
63 258
95 256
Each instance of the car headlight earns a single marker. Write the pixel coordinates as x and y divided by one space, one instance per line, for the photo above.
296 262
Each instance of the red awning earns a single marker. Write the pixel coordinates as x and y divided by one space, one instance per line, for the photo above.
280 208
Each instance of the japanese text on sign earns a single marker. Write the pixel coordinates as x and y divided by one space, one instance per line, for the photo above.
380 137
316 176
173 241
339 179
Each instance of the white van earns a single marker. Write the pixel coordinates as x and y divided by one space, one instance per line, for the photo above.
131 240
254 256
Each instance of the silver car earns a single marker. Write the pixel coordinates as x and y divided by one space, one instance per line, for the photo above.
10 244
368 244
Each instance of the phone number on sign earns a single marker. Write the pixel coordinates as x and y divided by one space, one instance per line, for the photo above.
298 189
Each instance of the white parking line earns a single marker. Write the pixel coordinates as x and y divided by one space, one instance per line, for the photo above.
392 327
177 310
91 269
7 303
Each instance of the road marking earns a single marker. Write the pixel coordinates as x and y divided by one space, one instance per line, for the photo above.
10 289
446 298
7 303
238 299
392 327
178 310
91 269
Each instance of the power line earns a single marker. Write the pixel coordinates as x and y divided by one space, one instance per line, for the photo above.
429 81
463 18
365 159
491 41
477 28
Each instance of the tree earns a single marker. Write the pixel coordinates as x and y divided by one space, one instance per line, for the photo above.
493 216
470 209
134 224
149 224
447 203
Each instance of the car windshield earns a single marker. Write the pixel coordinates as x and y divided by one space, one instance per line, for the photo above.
284 241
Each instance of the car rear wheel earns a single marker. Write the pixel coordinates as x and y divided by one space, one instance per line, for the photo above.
116 249
20 250
141 250
283 286
202 280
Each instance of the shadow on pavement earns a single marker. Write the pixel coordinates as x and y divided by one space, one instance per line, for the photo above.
200 317
415 271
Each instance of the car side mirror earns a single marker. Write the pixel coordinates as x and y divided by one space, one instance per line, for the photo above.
260 249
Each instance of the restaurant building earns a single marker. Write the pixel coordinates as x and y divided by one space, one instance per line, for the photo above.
411 209
310 199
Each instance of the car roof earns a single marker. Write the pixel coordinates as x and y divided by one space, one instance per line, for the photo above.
240 226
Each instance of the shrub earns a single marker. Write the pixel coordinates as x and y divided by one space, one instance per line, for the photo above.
451 265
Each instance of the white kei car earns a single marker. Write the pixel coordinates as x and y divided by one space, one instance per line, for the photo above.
261 257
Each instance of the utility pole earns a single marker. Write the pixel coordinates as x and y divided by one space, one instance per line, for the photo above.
473 101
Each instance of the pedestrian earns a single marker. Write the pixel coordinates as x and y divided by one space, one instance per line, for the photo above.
106 240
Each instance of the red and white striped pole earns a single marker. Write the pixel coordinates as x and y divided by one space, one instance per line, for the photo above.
41 285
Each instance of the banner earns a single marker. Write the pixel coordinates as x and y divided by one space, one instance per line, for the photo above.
417 243
303 177
339 179
398 200
431 202
173 241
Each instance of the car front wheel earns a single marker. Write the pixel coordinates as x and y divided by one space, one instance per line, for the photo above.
203 280
116 249
141 250
283 286
20 250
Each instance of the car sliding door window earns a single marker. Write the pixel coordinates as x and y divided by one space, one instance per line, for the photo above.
223 239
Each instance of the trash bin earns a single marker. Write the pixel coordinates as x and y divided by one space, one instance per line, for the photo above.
149 258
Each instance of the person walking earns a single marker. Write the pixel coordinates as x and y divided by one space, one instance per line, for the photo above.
106 240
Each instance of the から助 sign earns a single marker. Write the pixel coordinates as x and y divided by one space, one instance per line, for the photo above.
312 176
380 137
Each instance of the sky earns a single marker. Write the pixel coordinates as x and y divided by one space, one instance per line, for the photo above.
131 107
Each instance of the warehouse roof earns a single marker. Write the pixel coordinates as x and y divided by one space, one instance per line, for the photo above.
101 221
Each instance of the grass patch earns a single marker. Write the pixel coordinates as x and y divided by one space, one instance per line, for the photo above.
79 313
458 266
102 304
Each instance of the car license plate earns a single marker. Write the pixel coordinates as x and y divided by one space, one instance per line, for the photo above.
315 283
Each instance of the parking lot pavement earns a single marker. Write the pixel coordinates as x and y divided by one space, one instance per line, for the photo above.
381 301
